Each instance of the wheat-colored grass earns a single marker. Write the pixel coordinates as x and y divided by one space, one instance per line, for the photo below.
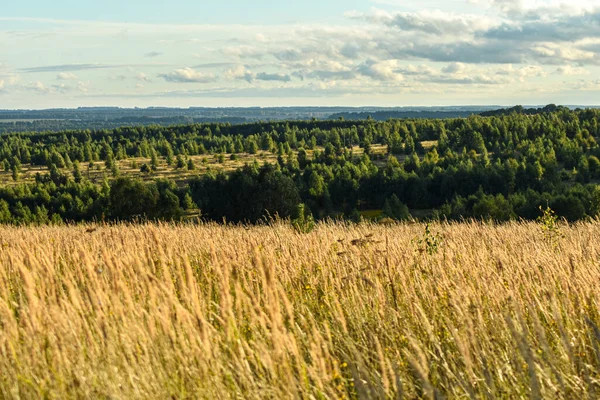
164 311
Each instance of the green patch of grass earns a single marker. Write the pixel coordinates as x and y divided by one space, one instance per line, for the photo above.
371 214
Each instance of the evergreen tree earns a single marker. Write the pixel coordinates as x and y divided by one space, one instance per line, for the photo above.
77 173
399 210
188 203
15 173
153 160
180 164
190 165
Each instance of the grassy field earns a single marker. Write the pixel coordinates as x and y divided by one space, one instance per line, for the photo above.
362 311
131 167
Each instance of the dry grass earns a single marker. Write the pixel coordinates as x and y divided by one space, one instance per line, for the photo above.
159 311
99 172
130 167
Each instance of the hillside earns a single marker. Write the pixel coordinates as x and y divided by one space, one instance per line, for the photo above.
497 168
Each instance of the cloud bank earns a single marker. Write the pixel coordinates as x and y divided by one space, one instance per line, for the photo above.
490 51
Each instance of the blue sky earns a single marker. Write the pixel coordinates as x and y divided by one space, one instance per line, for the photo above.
223 12
329 52
186 11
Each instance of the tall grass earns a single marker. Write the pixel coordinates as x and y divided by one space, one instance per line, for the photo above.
162 311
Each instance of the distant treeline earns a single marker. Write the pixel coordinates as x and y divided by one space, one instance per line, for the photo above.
113 117
58 125
385 115
500 168
550 108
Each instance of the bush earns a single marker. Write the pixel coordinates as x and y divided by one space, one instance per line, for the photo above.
304 222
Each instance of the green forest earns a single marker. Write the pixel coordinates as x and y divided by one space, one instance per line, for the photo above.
499 167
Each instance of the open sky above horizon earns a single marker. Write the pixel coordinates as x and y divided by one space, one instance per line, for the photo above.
70 53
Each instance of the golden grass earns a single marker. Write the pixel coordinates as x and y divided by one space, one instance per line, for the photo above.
99 172
159 311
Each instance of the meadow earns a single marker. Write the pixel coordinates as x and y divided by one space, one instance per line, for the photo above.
97 172
455 310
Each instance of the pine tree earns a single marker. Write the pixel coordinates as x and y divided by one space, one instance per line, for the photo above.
399 210
188 203
153 160
114 169
190 165
387 210
15 173
77 173
395 209
180 164
145 169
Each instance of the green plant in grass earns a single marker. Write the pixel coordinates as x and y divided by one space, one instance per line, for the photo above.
550 226
304 222
430 242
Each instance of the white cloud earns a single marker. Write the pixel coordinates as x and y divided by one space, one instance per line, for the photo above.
243 51
38 86
188 75
569 70
522 72
587 85
532 9
61 88
83 87
428 22
240 72
8 78
417 70
142 77
66 76
381 71
455 68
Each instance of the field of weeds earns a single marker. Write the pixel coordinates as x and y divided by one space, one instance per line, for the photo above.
361 311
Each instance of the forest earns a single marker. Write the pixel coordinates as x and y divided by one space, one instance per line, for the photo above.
60 119
500 167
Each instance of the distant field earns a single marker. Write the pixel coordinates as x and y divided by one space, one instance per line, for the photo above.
203 163
466 310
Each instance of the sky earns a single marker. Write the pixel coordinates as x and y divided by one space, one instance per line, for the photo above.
186 53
